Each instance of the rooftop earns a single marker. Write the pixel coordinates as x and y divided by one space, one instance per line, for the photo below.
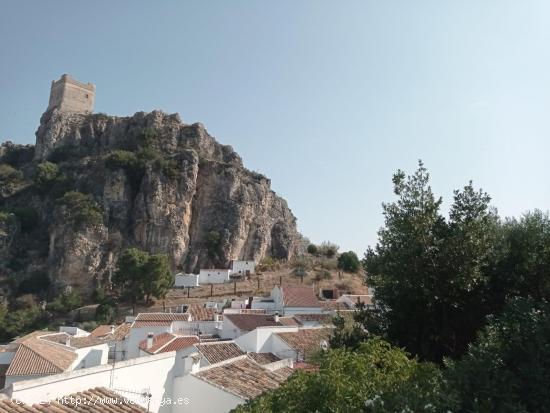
244 377
250 322
299 297
306 340
90 399
158 319
166 342
219 351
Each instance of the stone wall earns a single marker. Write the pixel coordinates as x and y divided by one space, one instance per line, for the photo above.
70 95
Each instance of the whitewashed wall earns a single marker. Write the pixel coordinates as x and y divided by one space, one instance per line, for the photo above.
139 334
186 280
241 267
202 397
213 276
152 373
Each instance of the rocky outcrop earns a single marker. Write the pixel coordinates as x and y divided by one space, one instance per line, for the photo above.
177 191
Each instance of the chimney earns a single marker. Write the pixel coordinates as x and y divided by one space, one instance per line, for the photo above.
68 341
112 329
149 340
276 316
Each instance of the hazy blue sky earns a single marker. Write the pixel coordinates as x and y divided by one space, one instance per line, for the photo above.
327 98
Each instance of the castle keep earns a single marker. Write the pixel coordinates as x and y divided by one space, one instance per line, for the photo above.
70 95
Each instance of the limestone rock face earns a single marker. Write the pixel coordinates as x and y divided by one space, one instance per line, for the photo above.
182 194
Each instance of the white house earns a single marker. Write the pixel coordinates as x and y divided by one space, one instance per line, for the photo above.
186 280
235 325
295 300
214 276
223 386
242 267
43 353
152 375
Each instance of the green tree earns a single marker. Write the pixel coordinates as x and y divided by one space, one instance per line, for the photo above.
47 173
9 178
140 275
349 262
81 209
374 378
508 368
429 274
158 277
312 249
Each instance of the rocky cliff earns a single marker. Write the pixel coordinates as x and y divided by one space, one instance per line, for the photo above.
94 185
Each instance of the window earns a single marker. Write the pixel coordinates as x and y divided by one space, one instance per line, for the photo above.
86 96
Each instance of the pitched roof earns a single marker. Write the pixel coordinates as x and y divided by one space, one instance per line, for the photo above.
35 357
165 342
263 358
98 400
159 341
307 340
288 321
244 377
158 319
101 330
75 342
201 313
180 343
219 351
299 297
322 318
249 322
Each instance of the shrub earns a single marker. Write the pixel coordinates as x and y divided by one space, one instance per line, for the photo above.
121 159
213 243
81 210
312 249
65 302
328 249
47 173
64 153
147 137
9 177
349 262
168 167
322 275
105 313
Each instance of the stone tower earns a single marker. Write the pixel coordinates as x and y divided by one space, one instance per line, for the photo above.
70 95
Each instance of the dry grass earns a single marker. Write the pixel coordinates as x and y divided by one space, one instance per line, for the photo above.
267 280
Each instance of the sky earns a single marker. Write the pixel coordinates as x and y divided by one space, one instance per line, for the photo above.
326 98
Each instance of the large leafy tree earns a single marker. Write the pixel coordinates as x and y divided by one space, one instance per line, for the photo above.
508 368
429 272
140 275
375 378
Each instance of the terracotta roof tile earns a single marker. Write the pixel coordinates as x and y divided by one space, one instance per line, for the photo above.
101 330
307 340
263 358
299 297
159 341
219 351
98 400
288 321
201 313
165 342
180 343
244 378
249 322
158 319
34 357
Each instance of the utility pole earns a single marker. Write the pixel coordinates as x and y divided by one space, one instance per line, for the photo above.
188 291
211 290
